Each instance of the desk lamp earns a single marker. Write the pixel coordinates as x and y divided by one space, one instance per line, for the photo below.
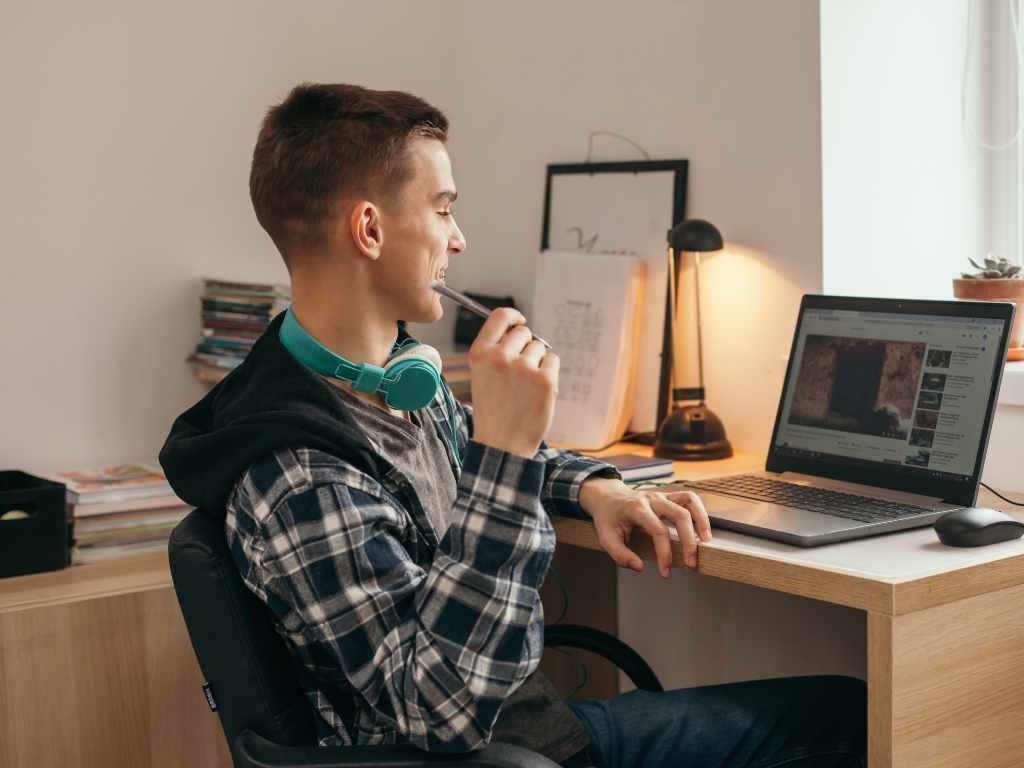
690 432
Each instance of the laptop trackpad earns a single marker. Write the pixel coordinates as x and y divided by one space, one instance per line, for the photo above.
737 514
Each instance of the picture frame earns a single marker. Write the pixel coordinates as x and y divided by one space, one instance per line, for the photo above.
628 208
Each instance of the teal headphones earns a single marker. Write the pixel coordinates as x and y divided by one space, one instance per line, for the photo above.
409 381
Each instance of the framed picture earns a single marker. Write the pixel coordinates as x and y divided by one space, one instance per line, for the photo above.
627 208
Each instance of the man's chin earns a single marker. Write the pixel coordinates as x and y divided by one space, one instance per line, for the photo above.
425 314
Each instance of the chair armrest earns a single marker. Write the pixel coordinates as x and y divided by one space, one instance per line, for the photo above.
608 646
253 751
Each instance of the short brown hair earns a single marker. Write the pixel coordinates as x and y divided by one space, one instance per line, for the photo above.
327 140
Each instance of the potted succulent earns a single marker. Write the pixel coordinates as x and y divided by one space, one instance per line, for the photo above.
997 279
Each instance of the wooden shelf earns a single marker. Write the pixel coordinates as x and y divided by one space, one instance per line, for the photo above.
123 575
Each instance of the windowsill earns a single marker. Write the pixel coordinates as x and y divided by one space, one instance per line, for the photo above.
1012 390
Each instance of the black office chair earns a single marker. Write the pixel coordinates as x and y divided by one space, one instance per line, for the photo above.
266 719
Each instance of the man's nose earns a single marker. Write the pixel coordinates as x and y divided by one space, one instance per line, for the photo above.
457 242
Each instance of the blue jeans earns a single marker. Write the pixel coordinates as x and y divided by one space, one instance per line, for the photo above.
796 722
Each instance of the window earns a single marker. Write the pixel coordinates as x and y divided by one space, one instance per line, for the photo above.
993 115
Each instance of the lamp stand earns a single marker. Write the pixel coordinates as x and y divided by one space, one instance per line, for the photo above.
690 432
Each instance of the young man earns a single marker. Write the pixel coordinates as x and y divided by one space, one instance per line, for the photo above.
401 552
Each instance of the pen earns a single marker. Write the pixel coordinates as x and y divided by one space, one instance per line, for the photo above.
473 306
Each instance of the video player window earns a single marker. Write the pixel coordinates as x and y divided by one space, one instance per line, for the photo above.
922 438
866 386
919 459
939 358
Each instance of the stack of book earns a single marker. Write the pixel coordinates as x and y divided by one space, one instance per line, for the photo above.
120 510
234 315
455 369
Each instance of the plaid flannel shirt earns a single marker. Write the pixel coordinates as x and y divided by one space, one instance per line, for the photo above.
427 637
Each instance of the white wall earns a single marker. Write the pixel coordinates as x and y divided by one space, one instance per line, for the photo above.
1003 468
903 193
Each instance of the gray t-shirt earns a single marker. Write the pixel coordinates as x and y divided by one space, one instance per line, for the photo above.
534 716
415 449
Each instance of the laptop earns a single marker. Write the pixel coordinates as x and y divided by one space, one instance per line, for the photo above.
882 425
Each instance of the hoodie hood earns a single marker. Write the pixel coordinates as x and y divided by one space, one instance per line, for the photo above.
269 402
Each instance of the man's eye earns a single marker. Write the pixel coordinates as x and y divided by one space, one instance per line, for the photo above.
444 213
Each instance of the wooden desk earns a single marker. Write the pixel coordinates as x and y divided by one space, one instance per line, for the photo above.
945 627
97 671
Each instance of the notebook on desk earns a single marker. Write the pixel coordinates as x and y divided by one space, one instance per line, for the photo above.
882 424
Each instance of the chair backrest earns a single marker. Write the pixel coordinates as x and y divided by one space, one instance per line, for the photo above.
246 664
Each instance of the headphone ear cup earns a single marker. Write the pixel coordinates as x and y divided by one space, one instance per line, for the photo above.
412 378
411 384
422 352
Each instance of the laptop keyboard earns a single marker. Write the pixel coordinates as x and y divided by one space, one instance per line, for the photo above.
836 503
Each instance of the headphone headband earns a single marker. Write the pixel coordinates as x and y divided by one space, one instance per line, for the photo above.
409 382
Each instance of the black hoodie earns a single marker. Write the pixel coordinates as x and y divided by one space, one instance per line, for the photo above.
270 401
273 401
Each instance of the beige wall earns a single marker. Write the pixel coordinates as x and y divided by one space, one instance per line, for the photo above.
125 147
125 175
126 143
730 84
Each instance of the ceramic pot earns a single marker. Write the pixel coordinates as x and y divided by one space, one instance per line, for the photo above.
1000 289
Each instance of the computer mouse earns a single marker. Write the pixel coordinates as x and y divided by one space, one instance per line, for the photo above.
977 527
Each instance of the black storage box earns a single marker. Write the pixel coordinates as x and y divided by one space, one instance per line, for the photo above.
38 542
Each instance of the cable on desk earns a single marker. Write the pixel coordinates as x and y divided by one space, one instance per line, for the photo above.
997 493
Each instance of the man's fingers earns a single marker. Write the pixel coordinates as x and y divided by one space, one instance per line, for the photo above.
611 541
642 514
515 340
497 324
699 515
679 517
533 354
550 364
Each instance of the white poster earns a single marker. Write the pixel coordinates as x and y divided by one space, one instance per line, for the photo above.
623 213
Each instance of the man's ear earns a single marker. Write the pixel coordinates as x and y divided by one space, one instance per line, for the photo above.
366 229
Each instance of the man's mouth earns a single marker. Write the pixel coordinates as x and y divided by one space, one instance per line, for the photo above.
441 273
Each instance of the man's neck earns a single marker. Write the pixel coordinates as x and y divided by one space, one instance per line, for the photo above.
345 322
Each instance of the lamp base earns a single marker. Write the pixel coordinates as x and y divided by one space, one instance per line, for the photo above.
692 433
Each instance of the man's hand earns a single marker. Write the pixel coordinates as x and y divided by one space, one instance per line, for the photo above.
617 509
514 382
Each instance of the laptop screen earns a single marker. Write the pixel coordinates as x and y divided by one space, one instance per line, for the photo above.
906 388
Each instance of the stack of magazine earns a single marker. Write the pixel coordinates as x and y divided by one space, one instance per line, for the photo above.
234 315
119 510
455 369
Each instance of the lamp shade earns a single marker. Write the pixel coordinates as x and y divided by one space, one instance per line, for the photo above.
695 235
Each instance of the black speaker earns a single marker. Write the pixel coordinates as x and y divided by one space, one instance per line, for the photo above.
468 325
